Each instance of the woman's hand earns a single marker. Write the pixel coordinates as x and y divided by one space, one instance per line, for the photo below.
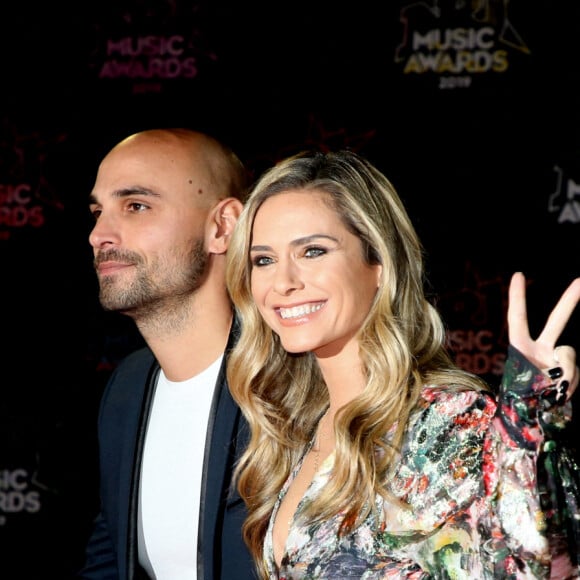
544 352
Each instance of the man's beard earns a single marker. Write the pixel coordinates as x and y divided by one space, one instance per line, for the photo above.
149 292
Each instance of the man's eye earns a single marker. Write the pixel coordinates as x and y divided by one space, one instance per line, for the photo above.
136 206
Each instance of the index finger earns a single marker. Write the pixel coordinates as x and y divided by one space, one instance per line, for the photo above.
517 317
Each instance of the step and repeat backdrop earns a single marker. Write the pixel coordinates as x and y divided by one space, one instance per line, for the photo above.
470 108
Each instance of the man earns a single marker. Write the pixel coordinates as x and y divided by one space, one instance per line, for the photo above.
165 203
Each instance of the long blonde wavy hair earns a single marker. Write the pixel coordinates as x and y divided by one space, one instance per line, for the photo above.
402 348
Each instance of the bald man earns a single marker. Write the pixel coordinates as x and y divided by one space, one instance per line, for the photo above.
165 202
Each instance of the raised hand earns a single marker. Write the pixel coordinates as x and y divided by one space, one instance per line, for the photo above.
544 351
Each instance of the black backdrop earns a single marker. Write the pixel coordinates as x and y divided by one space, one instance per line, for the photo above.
470 108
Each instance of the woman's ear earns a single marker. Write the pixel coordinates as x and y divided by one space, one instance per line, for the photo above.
223 219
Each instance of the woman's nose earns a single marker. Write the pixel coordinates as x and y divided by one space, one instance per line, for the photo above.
287 278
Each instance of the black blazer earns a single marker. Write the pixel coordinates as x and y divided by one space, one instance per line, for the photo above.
112 548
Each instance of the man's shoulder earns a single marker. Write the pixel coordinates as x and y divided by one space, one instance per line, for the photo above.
128 381
136 365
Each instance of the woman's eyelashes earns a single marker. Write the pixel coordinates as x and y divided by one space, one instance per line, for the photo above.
314 251
260 260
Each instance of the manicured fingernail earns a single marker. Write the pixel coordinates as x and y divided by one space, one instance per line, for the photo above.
550 397
555 373
562 391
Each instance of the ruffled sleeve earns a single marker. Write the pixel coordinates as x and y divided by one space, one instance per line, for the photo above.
490 490
534 420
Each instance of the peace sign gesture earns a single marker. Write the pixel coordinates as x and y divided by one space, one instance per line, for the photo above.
544 352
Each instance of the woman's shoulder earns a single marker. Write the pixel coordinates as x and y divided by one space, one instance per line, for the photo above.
447 424
448 401
447 428
439 470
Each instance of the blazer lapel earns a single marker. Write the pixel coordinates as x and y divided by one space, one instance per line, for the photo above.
222 446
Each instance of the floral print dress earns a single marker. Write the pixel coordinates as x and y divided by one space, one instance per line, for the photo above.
490 495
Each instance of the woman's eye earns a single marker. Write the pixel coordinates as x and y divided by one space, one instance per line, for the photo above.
314 252
261 261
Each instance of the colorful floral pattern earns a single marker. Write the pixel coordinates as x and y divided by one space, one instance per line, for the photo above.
490 496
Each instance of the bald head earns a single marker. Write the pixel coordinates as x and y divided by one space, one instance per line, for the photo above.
188 160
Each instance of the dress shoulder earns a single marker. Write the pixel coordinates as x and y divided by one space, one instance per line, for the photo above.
441 459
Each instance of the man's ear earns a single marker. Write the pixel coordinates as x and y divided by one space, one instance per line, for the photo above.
223 219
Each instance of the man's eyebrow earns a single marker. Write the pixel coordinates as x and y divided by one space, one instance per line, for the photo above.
127 192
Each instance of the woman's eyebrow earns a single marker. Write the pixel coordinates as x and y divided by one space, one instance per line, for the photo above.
297 242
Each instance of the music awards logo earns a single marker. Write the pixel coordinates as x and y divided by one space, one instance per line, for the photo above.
26 194
18 495
564 202
455 40
149 44
477 332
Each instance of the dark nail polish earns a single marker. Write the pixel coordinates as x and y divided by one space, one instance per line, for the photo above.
562 389
550 396
555 373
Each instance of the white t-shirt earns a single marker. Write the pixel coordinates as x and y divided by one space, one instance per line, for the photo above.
171 473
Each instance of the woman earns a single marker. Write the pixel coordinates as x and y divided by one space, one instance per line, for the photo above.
372 455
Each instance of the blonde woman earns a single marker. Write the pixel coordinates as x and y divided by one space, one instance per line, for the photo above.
371 454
